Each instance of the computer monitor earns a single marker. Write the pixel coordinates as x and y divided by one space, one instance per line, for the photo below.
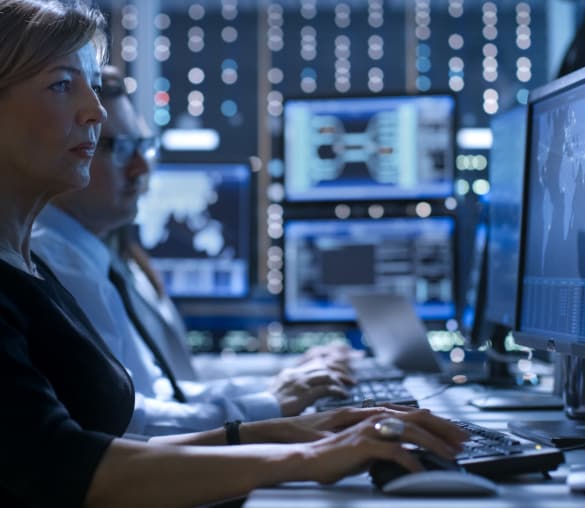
387 148
551 312
551 298
506 174
490 310
326 261
195 223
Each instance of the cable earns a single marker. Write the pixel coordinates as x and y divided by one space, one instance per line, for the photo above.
509 356
437 392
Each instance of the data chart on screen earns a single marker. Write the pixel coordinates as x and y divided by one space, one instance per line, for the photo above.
327 261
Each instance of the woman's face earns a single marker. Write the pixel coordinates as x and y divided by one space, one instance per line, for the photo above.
50 123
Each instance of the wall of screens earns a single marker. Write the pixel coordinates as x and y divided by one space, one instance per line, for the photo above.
233 66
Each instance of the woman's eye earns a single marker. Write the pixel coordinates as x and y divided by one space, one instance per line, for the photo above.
98 90
61 86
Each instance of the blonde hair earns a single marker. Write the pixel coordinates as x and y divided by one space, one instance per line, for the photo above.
35 32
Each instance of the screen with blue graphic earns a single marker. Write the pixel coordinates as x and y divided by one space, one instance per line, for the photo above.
389 148
195 223
552 299
326 261
506 170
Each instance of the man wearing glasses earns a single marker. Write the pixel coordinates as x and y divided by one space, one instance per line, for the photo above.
68 237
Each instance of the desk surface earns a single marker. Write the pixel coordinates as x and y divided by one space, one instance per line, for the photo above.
357 491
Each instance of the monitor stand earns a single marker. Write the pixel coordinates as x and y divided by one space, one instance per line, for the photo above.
508 390
568 432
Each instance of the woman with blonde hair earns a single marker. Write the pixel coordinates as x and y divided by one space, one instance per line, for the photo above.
65 400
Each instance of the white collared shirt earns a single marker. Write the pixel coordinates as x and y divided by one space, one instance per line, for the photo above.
81 261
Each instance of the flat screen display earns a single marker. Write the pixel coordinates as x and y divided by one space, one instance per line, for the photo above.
195 223
387 148
552 300
506 172
326 261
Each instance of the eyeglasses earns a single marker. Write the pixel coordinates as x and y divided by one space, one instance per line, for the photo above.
124 148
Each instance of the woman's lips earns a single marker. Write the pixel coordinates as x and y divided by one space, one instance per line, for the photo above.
84 150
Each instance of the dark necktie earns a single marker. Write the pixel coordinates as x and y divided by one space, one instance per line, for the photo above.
125 288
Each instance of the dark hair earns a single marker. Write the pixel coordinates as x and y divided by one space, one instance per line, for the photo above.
34 32
575 55
112 83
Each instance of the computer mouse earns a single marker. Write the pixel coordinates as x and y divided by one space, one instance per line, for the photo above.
384 471
440 483
576 480
392 478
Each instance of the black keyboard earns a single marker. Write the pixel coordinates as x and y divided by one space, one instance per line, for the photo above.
370 393
491 453
487 452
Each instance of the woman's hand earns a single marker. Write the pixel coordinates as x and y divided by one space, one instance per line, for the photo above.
314 426
353 449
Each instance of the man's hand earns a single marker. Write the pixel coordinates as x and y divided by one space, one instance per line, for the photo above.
296 388
337 352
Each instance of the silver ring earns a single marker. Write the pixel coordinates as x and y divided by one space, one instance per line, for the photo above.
390 429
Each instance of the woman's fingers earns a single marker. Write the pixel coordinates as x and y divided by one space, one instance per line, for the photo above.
424 430
354 448
339 419
412 433
397 453
440 427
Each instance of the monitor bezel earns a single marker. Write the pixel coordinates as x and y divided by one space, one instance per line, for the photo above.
478 269
543 342
251 230
387 95
488 314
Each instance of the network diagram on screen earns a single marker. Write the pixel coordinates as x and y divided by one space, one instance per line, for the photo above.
369 148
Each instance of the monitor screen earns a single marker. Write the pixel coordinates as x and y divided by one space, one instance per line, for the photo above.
326 261
506 170
551 308
390 148
195 223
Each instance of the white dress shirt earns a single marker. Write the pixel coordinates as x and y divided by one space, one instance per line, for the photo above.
81 262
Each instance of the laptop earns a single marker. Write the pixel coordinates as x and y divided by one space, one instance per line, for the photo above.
394 332
398 340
